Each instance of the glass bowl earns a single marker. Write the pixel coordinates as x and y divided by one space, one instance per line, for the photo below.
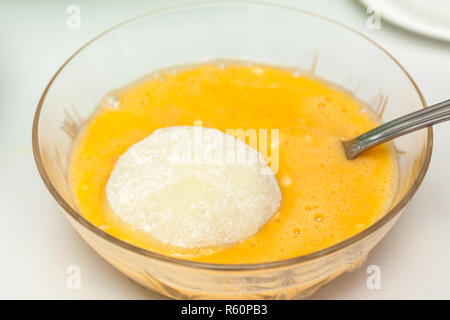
239 31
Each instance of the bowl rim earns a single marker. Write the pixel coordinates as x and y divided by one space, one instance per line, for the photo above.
394 211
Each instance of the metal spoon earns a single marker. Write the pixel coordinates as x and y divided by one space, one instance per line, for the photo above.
411 122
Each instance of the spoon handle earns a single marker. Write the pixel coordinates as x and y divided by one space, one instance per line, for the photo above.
411 122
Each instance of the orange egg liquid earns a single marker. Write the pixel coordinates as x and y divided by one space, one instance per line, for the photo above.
325 197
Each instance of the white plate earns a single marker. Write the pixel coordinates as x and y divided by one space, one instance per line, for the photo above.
429 18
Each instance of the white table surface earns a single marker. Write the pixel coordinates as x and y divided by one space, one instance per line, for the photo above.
37 244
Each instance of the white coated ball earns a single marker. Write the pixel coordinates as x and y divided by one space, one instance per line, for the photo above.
193 187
